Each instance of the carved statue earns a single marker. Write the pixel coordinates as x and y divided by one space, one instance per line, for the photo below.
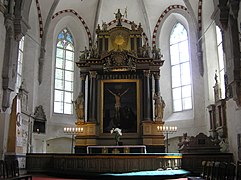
159 106
145 50
155 52
183 141
133 26
139 27
79 106
118 17
224 145
217 89
94 51
85 53
104 26
39 113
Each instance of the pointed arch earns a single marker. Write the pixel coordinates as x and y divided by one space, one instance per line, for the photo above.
81 20
180 69
64 73
162 16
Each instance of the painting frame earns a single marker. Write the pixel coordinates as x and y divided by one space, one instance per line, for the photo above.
129 109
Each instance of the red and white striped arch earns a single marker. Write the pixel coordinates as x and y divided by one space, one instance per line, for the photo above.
81 20
167 10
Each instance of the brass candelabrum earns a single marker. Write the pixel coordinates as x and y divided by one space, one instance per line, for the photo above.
73 131
167 130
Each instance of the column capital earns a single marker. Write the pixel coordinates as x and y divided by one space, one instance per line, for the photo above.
82 76
93 74
156 75
146 73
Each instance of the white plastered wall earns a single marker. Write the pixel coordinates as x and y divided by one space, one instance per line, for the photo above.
192 121
56 122
2 44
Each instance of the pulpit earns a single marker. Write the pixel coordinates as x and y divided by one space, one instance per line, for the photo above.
116 77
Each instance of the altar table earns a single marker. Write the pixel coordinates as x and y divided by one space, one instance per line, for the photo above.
116 149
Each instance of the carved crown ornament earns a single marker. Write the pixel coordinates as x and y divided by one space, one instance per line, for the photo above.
120 48
119 61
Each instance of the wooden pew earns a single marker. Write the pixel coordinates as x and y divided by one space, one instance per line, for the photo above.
9 170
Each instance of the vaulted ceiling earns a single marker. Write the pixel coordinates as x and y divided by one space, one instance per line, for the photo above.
149 13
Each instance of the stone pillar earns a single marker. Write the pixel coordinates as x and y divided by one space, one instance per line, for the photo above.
9 62
92 97
147 96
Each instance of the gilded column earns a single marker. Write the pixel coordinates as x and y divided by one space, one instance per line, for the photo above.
92 97
147 96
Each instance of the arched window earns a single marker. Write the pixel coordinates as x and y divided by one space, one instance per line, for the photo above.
220 61
20 63
180 69
64 73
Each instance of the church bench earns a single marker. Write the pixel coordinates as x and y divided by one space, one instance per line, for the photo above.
9 170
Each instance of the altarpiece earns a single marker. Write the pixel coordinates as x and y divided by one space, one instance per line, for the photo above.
120 81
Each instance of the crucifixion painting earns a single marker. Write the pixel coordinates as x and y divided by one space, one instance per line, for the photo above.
120 106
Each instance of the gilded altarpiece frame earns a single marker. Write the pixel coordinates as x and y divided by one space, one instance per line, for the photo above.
129 107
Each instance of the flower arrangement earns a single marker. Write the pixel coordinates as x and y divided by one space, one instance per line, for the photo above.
118 134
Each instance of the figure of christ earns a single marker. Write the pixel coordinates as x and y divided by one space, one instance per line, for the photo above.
117 102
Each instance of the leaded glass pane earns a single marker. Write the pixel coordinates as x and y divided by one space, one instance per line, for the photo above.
68 97
174 54
185 73
222 84
68 85
219 35
69 38
220 57
70 47
58 95
176 78
61 35
21 43
59 74
18 81
19 69
69 55
187 103
69 65
60 53
183 49
58 107
69 75
179 33
20 56
68 108
176 93
59 84
186 91
59 44
59 63
177 105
